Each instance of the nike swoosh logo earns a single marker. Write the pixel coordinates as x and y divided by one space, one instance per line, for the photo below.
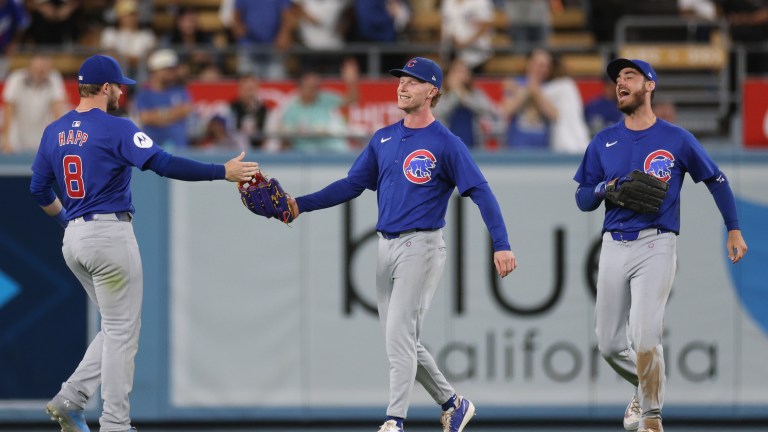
608 144
383 140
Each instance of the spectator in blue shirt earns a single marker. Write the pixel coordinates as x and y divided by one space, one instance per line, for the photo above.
11 23
530 108
263 30
195 46
603 110
380 21
464 108
163 103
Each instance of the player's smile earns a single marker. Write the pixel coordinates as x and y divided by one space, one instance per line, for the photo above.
409 102
629 101
404 101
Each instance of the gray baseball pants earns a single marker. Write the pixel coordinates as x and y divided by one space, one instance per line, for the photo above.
633 285
407 274
104 256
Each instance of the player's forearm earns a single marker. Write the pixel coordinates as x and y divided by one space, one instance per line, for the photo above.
587 198
334 194
41 189
723 195
53 208
57 211
179 168
491 212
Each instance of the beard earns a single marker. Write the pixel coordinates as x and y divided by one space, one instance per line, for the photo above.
113 101
635 101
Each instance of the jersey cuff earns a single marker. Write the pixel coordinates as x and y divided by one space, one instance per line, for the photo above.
40 188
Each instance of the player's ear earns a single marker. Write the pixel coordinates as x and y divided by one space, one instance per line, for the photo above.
651 85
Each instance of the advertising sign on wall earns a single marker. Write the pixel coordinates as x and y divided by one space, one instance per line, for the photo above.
285 317
39 299
755 112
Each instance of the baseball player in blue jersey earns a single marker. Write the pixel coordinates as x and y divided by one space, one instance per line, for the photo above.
638 258
414 165
89 154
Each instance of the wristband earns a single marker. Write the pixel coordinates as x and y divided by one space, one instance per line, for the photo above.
600 190
61 218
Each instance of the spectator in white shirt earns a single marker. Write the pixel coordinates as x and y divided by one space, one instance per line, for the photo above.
128 42
34 96
468 30
322 26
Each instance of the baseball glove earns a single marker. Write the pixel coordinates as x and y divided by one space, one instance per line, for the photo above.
265 197
637 191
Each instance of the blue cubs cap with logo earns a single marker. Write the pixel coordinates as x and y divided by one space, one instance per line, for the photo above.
422 69
615 67
100 69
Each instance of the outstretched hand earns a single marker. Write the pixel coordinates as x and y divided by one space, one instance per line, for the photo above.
505 262
237 170
294 207
736 246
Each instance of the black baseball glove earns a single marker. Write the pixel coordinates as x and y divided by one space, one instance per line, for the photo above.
637 191
265 197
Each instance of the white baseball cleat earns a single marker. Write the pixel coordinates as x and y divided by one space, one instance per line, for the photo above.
456 418
651 424
632 414
390 426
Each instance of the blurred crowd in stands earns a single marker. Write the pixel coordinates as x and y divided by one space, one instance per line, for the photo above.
166 44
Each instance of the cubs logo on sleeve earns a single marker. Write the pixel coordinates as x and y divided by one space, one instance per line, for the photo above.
659 164
418 166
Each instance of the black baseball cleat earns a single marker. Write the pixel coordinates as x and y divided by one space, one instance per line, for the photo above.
67 414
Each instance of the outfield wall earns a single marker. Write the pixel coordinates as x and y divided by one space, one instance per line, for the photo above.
247 319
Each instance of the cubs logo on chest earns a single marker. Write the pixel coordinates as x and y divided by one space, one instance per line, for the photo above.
659 164
418 166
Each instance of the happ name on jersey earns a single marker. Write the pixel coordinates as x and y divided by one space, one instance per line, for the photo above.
78 138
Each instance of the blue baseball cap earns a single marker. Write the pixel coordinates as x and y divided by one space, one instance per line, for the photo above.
100 69
644 68
422 69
